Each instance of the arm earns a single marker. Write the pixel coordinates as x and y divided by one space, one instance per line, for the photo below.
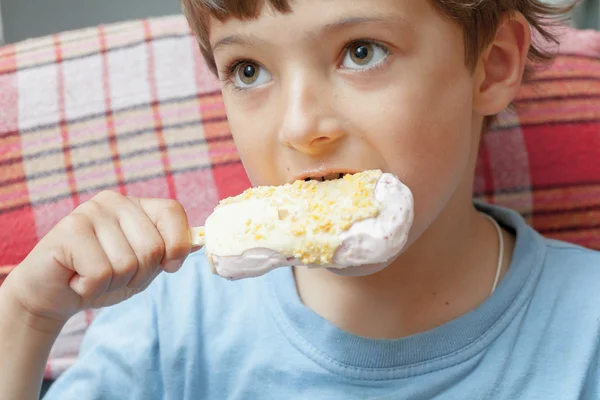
108 250
25 345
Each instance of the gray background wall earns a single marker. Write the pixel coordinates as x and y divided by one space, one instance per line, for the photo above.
587 15
24 19
1 27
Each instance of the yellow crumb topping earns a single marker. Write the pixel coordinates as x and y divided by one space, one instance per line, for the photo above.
315 211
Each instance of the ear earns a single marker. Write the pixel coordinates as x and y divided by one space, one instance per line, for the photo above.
500 68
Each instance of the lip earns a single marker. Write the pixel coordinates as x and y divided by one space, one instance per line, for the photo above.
312 173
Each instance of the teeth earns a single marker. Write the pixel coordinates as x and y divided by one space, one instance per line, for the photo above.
324 178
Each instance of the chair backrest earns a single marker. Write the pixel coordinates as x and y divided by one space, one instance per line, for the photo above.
132 107
128 107
543 160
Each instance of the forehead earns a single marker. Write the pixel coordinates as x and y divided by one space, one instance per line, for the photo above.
313 16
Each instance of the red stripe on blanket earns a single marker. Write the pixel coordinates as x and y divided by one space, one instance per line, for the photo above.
564 155
64 124
231 179
19 237
17 229
4 271
158 123
586 238
110 122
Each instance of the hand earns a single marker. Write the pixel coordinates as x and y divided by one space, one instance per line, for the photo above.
104 252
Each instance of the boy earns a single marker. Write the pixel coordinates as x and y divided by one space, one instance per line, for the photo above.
314 87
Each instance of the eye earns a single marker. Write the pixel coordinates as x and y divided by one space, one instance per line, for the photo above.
249 74
364 55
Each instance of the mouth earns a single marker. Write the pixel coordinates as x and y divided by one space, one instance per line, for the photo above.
324 175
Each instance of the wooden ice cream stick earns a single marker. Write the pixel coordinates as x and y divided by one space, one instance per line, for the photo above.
197 235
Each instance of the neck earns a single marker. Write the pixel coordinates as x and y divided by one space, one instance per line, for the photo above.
448 272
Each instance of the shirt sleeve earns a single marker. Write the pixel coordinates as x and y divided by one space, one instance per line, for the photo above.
119 356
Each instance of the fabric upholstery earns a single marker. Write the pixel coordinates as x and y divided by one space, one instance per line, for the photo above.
132 107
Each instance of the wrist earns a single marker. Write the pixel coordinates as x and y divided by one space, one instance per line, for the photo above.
27 340
14 312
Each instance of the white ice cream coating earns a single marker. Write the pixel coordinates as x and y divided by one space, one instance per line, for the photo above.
377 240
369 241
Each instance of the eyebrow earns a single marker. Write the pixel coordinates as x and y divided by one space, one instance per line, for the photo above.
237 39
247 40
351 21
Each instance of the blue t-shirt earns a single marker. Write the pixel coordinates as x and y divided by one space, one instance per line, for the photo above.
193 335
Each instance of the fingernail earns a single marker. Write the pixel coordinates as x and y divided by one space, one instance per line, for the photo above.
172 266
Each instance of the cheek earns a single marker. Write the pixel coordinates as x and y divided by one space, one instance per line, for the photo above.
437 163
252 134
424 136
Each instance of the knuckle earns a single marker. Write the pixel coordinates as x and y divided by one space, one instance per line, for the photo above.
126 263
173 207
108 196
77 223
153 254
105 200
91 207
103 273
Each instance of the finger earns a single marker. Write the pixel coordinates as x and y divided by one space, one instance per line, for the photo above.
171 221
144 239
151 278
119 252
85 256
140 233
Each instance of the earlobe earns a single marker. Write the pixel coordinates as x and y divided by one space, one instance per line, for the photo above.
500 68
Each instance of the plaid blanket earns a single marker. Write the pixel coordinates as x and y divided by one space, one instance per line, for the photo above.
544 159
129 107
132 107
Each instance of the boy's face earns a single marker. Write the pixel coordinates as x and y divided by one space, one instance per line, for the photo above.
343 86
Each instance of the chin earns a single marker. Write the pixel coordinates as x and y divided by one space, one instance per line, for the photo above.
363 270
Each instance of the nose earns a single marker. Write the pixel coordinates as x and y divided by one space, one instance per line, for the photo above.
308 122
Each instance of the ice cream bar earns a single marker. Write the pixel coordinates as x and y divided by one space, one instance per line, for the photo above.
358 219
